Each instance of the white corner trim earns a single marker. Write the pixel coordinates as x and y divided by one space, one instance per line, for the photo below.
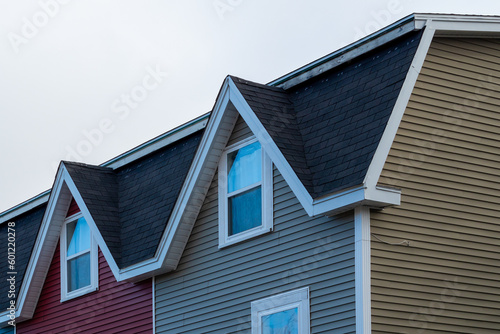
153 288
362 269
384 146
270 147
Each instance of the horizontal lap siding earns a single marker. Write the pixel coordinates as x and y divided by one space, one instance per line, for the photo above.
240 132
446 160
117 307
211 290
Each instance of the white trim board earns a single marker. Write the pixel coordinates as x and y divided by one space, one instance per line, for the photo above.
362 269
385 144
50 230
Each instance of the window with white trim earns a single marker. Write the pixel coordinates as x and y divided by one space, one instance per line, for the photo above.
79 272
245 192
286 313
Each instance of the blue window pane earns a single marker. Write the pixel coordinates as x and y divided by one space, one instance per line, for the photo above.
245 210
244 167
78 236
285 322
79 272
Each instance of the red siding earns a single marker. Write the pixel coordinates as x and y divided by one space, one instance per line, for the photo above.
73 208
117 307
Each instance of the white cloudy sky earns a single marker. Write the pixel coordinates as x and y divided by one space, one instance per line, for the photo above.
65 75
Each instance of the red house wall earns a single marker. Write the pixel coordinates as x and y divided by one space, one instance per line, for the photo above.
116 307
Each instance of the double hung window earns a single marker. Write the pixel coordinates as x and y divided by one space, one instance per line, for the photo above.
245 192
78 258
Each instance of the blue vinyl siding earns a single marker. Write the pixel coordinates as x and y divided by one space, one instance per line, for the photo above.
211 290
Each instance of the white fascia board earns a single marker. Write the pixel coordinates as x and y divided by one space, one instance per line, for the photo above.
196 168
362 268
345 200
337 201
62 179
155 264
90 221
37 248
270 148
332 203
475 19
382 196
24 207
385 144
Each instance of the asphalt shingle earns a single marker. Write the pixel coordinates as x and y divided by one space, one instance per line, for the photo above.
335 120
26 230
132 205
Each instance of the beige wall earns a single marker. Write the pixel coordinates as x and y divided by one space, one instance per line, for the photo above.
446 161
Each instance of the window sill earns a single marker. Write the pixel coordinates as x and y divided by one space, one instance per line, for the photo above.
243 236
79 293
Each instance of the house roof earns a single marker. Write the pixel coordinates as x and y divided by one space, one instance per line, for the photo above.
26 230
329 127
131 205
325 128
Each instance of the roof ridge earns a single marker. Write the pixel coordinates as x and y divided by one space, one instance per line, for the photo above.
86 165
256 84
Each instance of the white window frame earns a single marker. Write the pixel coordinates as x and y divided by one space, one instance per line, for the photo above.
293 299
94 264
267 197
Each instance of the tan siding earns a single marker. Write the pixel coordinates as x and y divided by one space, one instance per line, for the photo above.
446 161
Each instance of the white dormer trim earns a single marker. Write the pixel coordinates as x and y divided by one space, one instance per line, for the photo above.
44 249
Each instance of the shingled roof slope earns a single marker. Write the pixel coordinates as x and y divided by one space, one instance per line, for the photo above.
98 187
343 113
26 229
276 112
132 205
329 127
148 190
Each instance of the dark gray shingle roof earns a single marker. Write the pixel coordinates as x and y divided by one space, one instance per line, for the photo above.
131 205
98 187
26 230
329 127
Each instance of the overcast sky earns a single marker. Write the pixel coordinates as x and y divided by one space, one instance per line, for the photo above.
88 80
